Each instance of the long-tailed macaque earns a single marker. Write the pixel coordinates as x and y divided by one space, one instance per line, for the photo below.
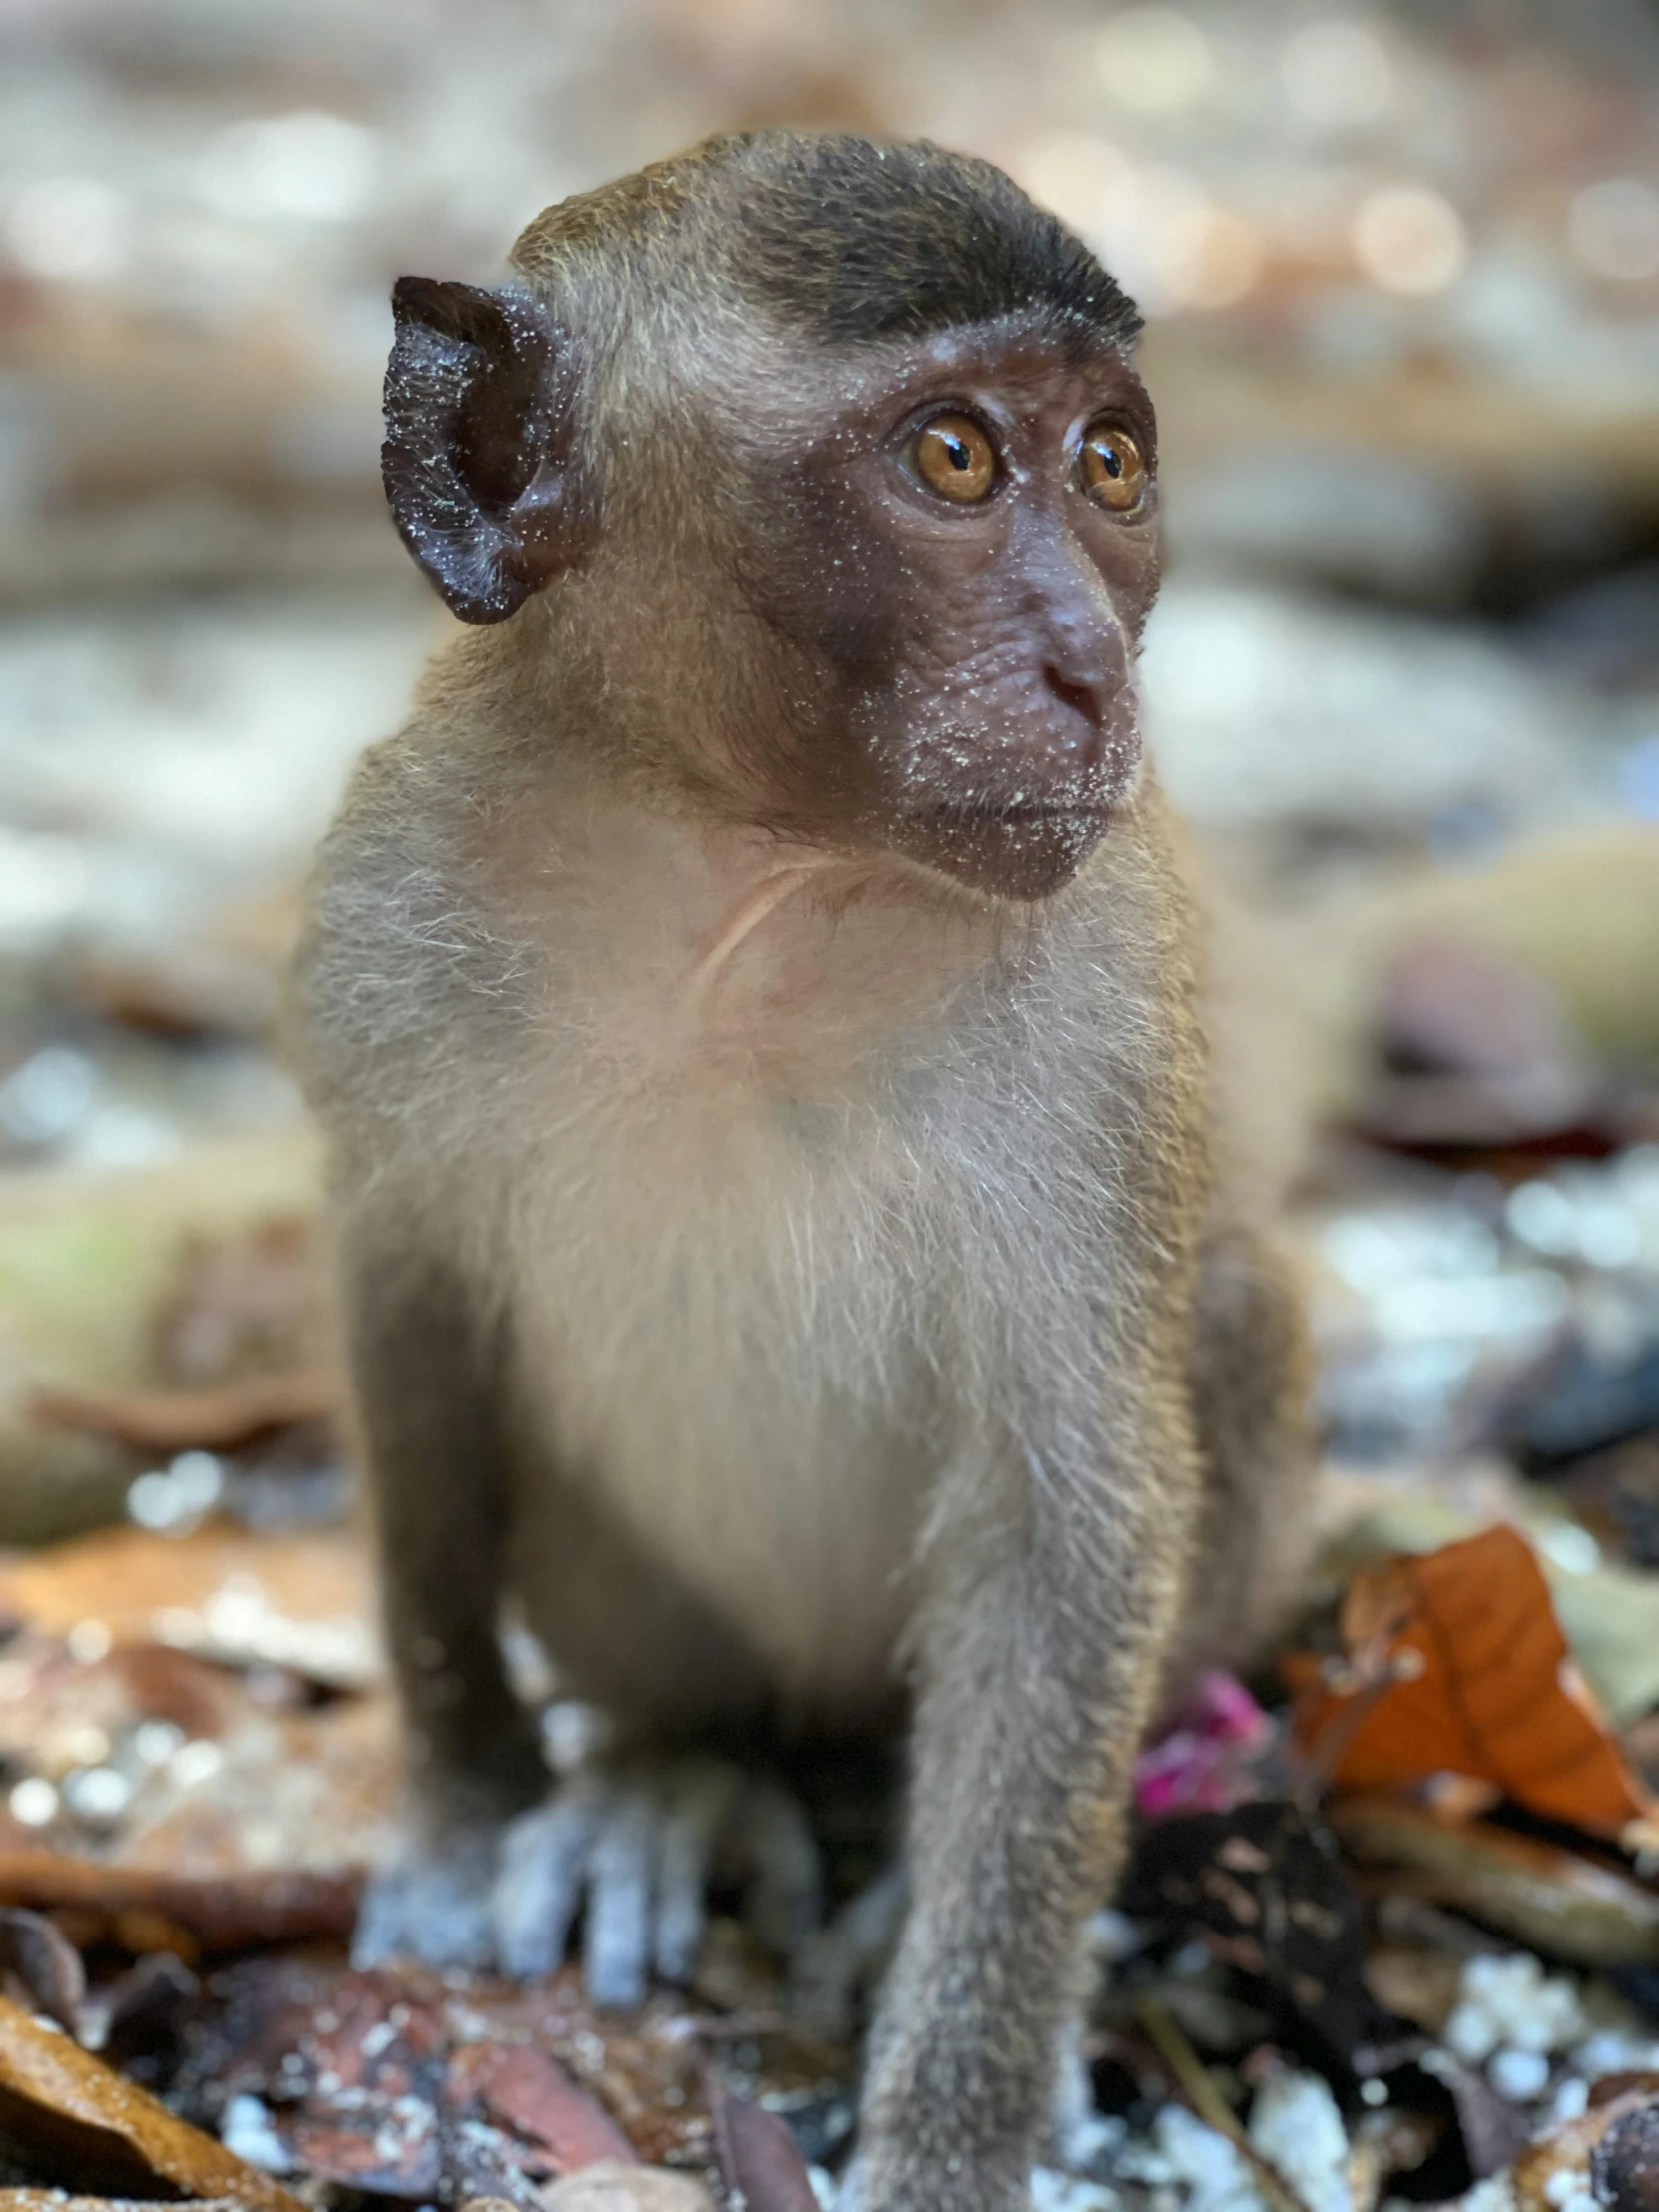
756 1012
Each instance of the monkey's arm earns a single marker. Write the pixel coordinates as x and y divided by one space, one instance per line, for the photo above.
1056 1592
427 1403
1251 1372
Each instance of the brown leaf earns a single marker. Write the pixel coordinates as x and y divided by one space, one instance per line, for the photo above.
249 1821
1558 1902
390 2083
141 1909
1608 2088
40 1969
1482 1685
267 2037
1266 1890
530 2093
217 1419
304 1601
68 2116
1494 2131
758 2156
55 2200
369 2076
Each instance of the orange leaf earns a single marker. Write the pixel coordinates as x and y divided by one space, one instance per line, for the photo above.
1481 1685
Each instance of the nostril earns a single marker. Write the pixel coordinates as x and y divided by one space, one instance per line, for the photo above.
1072 692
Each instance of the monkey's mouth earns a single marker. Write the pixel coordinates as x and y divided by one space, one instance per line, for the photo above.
991 813
1024 849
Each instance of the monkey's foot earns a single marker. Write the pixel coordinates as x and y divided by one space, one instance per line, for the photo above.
637 1844
433 1904
835 1970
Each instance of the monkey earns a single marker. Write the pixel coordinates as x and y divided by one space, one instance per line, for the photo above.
754 1008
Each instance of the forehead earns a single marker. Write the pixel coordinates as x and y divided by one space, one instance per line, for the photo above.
1016 366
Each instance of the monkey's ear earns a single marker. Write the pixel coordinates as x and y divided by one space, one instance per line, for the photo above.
477 458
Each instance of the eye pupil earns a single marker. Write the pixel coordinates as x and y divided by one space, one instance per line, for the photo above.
1111 469
954 458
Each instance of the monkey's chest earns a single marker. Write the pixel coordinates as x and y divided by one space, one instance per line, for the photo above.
728 1426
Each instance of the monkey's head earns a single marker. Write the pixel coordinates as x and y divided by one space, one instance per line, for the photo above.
824 468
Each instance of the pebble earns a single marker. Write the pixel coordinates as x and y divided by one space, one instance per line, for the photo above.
613 2186
1295 2123
1215 2172
1052 2191
1511 2003
246 2130
1625 2163
1519 2075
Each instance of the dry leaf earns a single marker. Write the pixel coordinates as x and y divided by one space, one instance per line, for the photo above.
1557 1902
1459 1666
759 2160
404 2085
40 1967
55 2200
524 2090
68 2116
141 1909
236 1810
304 1601
218 1420
1268 1892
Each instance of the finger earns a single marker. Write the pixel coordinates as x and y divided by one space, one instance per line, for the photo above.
702 1801
622 1869
840 1961
540 1883
432 1909
786 1892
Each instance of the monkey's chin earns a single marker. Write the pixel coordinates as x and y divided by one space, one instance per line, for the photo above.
1023 855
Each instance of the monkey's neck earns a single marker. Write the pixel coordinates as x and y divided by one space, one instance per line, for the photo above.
750 913
705 951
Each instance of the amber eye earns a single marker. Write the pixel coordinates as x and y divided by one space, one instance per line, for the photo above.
953 458
1114 475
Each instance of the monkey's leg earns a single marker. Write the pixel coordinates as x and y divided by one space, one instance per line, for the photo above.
1251 1372
427 1403
1042 1645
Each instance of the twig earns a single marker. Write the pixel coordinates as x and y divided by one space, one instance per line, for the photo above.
1319 1760
1209 2103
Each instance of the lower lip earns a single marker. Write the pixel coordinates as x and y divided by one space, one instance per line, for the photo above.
1000 817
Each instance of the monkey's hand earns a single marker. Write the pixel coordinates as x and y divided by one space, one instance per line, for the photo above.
637 1843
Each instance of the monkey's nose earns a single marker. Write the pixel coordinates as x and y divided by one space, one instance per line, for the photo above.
1086 695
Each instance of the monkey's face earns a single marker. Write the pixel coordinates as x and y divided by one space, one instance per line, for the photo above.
959 542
